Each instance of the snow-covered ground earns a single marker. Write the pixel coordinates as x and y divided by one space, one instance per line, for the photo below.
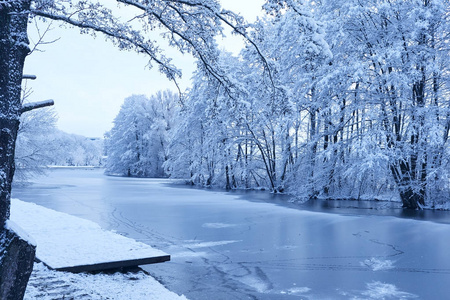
64 240
47 284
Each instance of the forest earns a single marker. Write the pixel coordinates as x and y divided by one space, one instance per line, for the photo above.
341 99
327 99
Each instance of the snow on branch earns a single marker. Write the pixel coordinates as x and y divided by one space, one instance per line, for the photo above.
34 105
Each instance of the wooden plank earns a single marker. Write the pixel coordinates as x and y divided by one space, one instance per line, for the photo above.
114 264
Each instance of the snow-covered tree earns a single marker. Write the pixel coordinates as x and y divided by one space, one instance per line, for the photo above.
74 150
33 149
40 144
249 136
393 56
137 145
351 101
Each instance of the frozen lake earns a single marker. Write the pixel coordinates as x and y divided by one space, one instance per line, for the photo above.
239 246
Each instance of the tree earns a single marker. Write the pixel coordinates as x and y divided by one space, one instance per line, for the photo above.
34 149
137 145
397 85
189 25
354 104
200 143
74 150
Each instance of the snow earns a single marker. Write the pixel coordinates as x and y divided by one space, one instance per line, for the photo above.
380 290
218 225
296 291
378 264
20 232
48 285
65 240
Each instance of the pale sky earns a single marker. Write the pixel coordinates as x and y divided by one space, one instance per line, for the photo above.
89 78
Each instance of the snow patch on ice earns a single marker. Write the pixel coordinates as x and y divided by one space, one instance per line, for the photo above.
256 283
378 265
209 244
379 290
218 225
297 291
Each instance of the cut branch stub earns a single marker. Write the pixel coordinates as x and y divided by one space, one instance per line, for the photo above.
29 76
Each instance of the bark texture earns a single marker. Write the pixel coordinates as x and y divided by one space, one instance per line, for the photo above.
13 50
16 254
16 265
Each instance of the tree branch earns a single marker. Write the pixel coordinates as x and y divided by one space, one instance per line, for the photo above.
28 76
123 35
35 105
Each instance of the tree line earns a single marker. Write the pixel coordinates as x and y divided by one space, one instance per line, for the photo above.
41 145
351 100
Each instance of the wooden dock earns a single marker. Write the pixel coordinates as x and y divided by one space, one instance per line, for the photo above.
68 243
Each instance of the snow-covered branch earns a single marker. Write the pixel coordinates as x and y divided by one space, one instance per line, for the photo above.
96 18
35 105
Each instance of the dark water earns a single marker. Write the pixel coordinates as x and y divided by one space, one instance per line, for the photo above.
348 207
259 246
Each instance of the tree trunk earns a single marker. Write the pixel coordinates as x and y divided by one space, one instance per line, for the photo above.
313 193
16 264
227 175
411 198
16 255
